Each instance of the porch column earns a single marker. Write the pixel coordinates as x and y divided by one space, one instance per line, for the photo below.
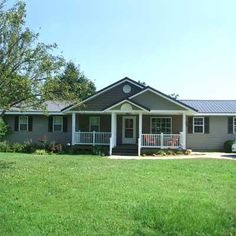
73 128
140 128
140 124
113 128
184 130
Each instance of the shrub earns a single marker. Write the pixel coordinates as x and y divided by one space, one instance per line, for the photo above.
40 152
4 129
228 146
3 146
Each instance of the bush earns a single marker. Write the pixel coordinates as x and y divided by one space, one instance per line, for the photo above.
40 152
4 129
164 152
228 146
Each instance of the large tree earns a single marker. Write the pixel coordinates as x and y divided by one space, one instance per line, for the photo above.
25 63
72 81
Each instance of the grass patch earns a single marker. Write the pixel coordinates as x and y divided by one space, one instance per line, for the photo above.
85 195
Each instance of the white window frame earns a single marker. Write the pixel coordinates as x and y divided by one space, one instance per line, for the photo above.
90 122
20 123
161 117
53 123
203 125
234 125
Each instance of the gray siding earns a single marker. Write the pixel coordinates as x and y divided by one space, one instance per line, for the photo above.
176 123
83 123
108 98
215 139
156 102
40 129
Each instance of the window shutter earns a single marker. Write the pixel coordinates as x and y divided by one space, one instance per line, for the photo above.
190 125
64 123
30 123
16 123
207 125
50 123
230 125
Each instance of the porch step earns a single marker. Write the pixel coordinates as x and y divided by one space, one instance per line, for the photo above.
125 150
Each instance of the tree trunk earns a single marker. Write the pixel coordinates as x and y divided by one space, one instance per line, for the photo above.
2 113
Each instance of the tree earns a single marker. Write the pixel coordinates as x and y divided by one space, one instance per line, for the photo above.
174 95
72 82
25 63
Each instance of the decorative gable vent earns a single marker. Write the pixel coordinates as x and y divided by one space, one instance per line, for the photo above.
126 88
126 107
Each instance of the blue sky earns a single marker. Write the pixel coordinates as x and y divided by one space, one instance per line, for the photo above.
178 46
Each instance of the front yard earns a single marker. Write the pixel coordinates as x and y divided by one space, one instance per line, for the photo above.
85 195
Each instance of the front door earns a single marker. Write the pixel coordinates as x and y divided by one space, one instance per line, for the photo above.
129 130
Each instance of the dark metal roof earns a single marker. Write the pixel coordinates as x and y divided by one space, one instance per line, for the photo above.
51 106
212 106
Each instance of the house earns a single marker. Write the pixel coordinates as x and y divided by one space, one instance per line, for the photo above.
130 115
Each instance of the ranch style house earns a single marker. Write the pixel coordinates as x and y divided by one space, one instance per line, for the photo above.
128 115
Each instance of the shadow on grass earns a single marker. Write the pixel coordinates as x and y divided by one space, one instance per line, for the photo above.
229 155
6 164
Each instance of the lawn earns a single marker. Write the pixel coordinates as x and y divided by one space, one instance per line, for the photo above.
85 195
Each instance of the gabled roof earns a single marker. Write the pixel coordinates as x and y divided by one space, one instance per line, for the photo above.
126 79
212 106
178 102
127 101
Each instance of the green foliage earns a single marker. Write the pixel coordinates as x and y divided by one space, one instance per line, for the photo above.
71 195
228 146
164 152
89 150
4 129
40 152
25 63
71 84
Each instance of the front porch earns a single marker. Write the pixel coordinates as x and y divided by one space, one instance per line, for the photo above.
137 129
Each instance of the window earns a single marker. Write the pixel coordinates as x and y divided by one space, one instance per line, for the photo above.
23 123
57 123
198 124
234 125
161 125
94 123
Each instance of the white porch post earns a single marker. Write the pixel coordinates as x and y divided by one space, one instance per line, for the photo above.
113 128
184 130
73 128
140 132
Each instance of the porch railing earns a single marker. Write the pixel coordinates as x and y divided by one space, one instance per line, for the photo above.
92 138
162 141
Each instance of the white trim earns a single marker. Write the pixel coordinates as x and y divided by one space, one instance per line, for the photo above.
159 118
125 101
184 130
114 128
103 91
215 114
159 94
203 125
19 123
128 140
61 118
99 123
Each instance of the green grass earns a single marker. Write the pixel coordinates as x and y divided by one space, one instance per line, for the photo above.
75 195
